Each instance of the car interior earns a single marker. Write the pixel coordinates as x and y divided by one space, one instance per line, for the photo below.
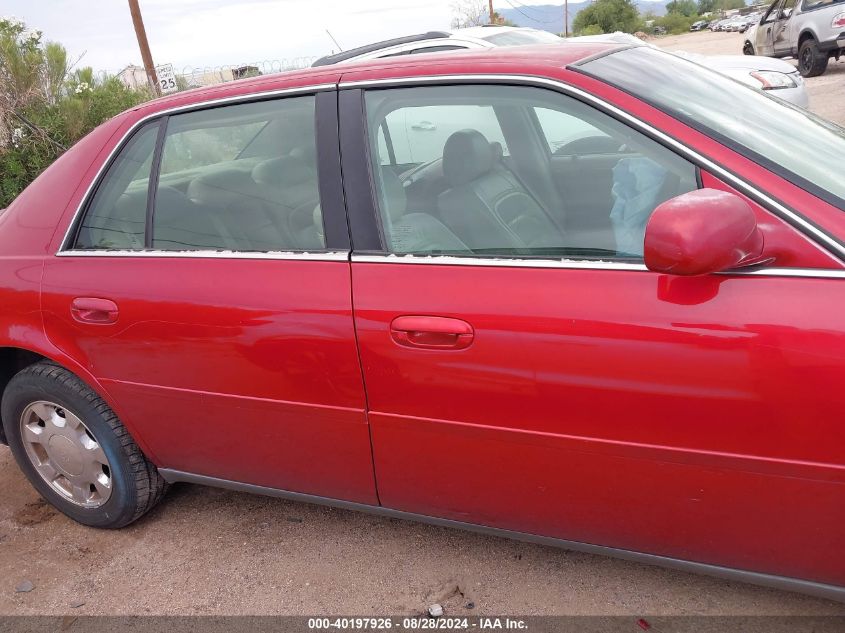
585 192
263 196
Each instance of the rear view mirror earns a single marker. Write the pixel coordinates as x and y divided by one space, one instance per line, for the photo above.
700 232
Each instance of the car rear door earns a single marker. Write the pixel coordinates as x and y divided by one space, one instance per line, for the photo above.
206 284
556 387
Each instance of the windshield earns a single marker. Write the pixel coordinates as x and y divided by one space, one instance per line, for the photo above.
521 37
791 142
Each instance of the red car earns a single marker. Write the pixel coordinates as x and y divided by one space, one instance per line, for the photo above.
587 295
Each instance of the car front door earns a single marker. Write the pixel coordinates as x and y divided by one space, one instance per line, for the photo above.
206 283
782 36
525 371
766 30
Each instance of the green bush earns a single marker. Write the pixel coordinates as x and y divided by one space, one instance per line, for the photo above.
592 29
675 23
44 107
608 16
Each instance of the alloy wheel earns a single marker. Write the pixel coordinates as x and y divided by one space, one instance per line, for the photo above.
66 454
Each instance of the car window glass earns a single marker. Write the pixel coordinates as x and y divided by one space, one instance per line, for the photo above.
438 49
786 9
418 133
764 129
576 183
214 195
772 13
116 216
815 4
565 133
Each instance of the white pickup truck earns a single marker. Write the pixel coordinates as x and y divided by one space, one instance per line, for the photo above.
811 30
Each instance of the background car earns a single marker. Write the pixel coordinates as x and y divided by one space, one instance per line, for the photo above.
700 25
813 31
776 77
439 41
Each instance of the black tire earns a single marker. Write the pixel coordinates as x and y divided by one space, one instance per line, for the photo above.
811 61
748 48
136 486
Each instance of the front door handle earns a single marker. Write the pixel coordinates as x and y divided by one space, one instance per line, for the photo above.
431 332
92 310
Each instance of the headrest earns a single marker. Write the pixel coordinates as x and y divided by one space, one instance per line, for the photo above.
307 154
221 187
466 156
284 171
395 199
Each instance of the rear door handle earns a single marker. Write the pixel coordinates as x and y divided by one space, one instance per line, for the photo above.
431 332
92 310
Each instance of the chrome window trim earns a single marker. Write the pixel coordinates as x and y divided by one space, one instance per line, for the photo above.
567 264
328 256
64 246
798 221
503 262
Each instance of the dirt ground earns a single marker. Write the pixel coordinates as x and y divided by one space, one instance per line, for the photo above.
827 92
206 551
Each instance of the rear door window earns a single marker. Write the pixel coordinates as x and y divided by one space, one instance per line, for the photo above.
239 178
116 215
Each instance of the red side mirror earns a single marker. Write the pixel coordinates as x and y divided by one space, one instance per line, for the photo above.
700 232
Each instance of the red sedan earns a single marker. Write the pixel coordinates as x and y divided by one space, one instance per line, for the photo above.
587 295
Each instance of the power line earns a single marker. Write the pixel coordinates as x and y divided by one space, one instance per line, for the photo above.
525 15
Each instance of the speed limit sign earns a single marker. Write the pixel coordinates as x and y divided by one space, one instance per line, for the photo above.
166 78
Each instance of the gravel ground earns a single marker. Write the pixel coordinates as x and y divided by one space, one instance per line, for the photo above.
827 92
207 551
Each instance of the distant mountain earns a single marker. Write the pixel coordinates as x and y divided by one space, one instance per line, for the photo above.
549 17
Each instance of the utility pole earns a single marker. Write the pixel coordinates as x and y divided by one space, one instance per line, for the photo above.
146 56
566 18
492 13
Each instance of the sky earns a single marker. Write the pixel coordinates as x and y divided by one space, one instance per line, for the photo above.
206 33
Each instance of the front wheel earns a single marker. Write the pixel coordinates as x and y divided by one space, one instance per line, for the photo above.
75 451
747 48
811 61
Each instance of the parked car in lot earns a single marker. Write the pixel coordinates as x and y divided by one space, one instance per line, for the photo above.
698 26
813 31
516 291
777 78
488 36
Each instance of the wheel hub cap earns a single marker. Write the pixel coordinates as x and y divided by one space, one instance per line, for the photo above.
65 454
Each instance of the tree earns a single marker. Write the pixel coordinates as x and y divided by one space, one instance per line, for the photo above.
706 6
44 107
709 6
501 20
609 16
684 7
467 13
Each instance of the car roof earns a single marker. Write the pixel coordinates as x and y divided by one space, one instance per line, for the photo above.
454 62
